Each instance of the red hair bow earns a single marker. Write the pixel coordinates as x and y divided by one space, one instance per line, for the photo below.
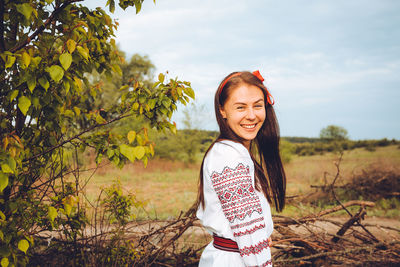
270 99
258 75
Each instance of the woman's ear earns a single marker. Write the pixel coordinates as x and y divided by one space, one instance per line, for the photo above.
222 111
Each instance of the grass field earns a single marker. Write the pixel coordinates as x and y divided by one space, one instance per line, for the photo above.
171 187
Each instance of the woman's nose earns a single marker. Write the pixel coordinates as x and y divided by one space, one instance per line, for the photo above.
250 114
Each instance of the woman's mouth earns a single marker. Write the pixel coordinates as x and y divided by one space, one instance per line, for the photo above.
249 126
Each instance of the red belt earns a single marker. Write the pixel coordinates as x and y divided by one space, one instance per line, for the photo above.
225 244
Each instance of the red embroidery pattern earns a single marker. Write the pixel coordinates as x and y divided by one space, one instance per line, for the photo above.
233 227
246 251
236 192
249 231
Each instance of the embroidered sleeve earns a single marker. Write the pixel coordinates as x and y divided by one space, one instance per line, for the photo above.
241 206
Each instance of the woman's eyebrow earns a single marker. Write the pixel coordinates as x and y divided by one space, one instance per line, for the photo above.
241 103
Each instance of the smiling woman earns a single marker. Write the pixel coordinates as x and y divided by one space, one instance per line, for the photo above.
235 189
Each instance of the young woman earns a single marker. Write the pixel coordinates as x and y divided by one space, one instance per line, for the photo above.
241 174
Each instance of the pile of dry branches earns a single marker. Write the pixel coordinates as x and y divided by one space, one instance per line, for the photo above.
313 240
308 241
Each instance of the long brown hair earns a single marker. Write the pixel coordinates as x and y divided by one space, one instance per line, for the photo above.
269 172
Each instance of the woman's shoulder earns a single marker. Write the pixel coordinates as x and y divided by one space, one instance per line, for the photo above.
226 153
228 147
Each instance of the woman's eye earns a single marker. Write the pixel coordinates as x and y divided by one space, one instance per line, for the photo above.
240 107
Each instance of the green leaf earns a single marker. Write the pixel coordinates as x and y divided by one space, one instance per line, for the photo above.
10 61
100 119
161 77
25 9
123 87
12 163
78 83
131 136
166 102
1 235
69 113
77 111
31 83
128 152
189 91
49 1
65 60
23 245
56 72
117 69
139 152
6 169
67 209
4 262
67 86
24 103
26 59
36 60
2 216
145 161
139 140
83 52
152 103
71 45
44 83
35 102
13 95
112 5
110 153
52 213
138 6
3 181
135 106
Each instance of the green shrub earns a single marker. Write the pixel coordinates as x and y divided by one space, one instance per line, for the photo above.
370 148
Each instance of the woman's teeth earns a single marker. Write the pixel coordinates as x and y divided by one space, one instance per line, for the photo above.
249 126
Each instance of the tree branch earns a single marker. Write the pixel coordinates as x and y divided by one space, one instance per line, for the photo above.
349 223
39 30
76 136
339 252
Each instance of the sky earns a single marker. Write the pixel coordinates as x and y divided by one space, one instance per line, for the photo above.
325 62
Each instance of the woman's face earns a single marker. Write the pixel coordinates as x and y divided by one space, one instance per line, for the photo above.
244 111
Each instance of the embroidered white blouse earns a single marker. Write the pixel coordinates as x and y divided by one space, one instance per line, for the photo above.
233 208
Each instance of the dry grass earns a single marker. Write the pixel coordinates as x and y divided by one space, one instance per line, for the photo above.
307 170
170 187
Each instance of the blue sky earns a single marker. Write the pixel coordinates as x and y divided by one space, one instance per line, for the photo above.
325 62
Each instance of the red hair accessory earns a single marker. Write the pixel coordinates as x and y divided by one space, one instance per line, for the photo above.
259 76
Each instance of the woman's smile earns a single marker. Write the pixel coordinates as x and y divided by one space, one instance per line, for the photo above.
249 126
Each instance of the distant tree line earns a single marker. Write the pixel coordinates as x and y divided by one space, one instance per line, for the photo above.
322 146
189 145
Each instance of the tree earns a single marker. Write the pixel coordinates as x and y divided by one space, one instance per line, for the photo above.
333 132
190 137
48 49
104 92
